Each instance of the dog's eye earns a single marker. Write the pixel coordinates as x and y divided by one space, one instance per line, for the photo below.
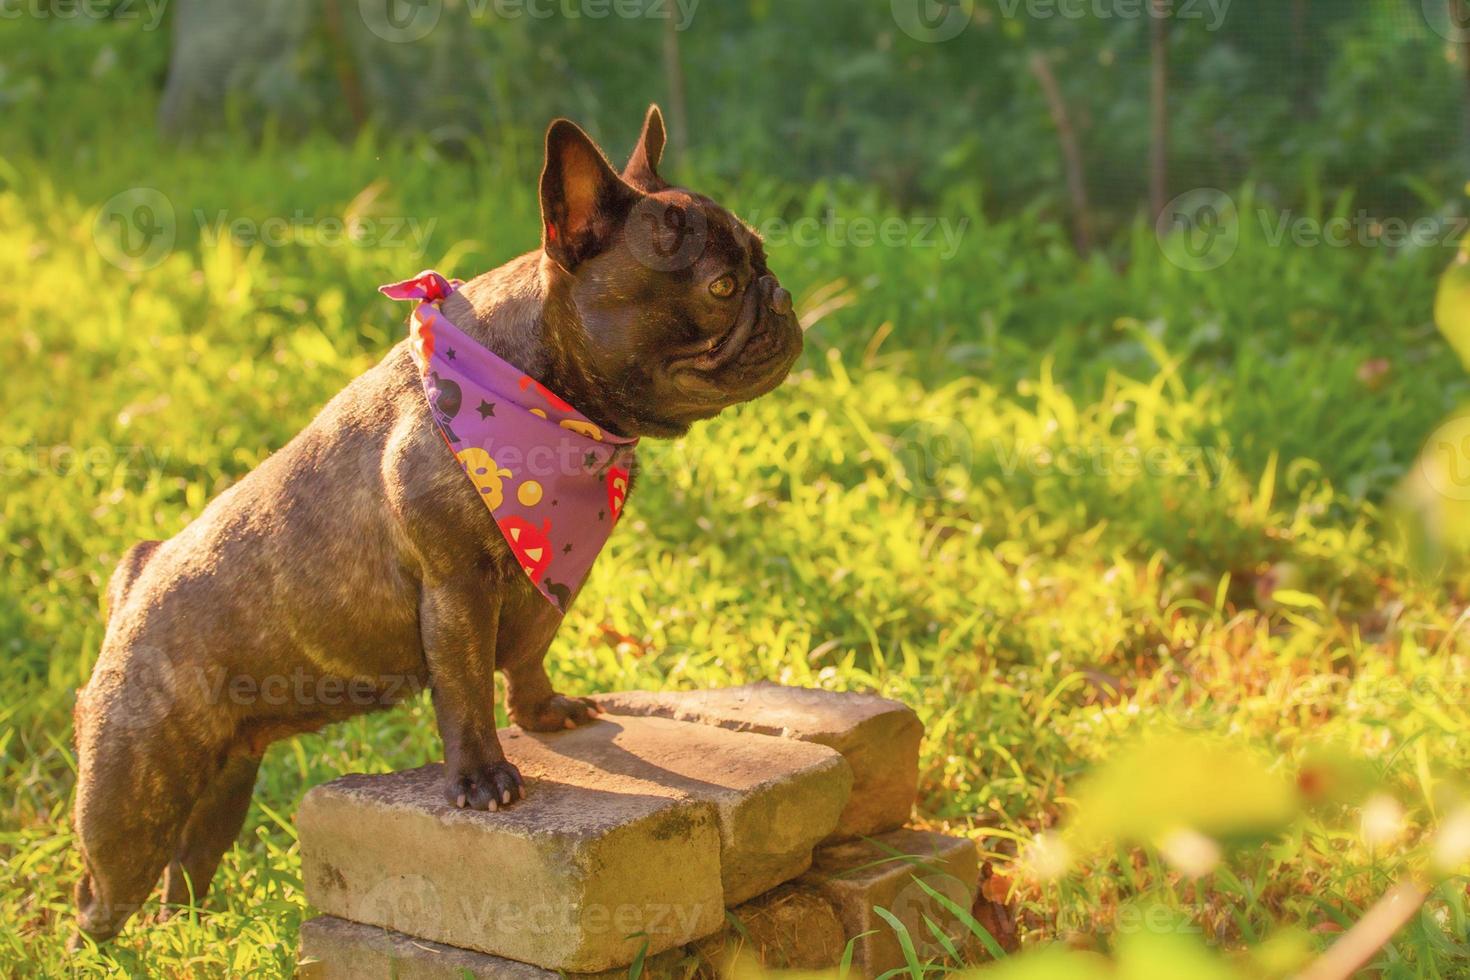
723 287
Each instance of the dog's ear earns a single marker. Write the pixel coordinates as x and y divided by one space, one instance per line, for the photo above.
642 168
583 200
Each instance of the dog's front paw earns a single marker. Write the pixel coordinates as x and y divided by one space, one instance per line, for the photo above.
487 787
556 713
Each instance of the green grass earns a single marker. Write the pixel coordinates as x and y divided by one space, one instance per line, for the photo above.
1052 503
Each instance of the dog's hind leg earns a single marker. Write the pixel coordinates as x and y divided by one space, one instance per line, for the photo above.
127 572
212 828
135 791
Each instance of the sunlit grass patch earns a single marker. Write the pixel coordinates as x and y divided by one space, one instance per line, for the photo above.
1056 505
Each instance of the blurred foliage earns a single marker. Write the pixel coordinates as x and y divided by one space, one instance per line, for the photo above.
1291 95
1181 783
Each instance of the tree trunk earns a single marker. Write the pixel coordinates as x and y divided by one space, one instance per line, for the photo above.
1071 151
1158 163
344 65
674 81
1459 14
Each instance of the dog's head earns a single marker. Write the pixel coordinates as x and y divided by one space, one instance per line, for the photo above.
660 295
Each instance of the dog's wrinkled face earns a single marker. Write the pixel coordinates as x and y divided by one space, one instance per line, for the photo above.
677 315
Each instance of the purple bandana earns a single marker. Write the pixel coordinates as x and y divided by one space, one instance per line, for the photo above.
554 482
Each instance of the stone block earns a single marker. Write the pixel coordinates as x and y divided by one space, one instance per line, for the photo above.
788 928
335 949
878 737
775 798
630 825
856 876
561 880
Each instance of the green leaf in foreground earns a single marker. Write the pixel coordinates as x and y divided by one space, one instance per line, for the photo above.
1169 782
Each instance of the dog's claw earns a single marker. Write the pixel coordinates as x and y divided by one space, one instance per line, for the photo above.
556 713
486 787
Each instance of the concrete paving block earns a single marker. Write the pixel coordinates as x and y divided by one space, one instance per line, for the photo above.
335 949
630 825
788 928
878 737
776 798
561 880
857 876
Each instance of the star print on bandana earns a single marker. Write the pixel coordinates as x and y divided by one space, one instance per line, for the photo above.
523 455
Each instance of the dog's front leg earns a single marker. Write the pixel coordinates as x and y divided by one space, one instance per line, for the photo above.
459 620
533 702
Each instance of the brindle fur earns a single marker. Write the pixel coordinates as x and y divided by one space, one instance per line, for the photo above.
360 555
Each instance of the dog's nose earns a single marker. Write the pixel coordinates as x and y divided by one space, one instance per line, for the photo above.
780 301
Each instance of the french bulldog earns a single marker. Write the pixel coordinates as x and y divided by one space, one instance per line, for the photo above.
359 560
